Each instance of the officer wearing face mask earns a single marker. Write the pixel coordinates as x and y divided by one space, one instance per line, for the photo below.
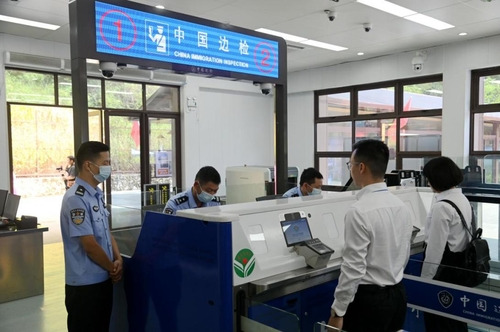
91 256
201 194
310 184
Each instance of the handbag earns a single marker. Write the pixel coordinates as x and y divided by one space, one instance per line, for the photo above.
476 256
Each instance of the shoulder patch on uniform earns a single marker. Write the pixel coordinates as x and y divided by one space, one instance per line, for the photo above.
180 200
216 199
295 195
80 191
77 216
168 211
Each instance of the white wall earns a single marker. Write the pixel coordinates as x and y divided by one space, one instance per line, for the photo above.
232 125
454 61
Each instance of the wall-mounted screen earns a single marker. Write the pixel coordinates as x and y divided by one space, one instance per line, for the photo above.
132 33
296 231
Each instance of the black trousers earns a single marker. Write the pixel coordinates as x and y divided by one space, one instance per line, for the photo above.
376 309
89 307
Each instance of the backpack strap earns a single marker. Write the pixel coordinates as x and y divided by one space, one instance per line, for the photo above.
473 223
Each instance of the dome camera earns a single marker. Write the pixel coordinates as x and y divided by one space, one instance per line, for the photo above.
107 69
367 27
331 15
266 88
417 63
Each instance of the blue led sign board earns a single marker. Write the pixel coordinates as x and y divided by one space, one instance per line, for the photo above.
132 33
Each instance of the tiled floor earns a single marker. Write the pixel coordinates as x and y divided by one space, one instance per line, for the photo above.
43 313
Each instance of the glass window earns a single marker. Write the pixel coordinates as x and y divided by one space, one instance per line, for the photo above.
334 171
336 136
93 91
376 101
489 90
29 87
486 131
162 98
122 95
337 104
423 96
420 134
384 129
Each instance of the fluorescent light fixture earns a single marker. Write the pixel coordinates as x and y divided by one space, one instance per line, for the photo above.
285 36
361 53
429 21
302 40
160 7
388 7
35 24
406 13
462 34
323 45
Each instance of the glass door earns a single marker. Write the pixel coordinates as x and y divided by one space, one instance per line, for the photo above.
124 187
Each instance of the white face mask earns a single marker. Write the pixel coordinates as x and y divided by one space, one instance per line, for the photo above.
315 191
104 173
204 197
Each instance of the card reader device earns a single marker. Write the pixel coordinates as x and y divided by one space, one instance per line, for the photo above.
297 233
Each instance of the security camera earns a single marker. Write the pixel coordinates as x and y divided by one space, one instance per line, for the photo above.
107 69
367 27
266 88
417 63
331 14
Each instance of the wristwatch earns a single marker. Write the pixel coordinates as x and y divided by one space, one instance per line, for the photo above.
334 314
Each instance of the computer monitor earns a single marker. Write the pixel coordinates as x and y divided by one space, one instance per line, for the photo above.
296 231
3 198
11 205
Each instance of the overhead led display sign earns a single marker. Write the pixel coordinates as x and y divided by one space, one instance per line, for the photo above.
198 48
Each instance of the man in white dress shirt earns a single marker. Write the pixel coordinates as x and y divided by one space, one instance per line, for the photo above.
370 295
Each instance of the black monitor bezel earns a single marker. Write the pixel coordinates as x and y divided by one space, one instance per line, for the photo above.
295 220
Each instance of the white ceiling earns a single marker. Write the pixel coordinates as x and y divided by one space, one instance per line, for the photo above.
305 18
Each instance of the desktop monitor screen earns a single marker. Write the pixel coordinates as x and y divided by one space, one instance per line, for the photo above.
296 231
11 205
3 198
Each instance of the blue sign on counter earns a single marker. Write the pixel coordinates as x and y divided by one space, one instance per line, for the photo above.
471 304
128 32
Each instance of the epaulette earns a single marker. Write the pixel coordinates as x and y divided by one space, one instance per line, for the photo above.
180 200
80 191
216 199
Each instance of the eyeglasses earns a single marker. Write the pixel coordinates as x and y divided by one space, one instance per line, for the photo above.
349 164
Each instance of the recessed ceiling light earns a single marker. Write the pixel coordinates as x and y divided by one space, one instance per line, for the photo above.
361 53
302 40
406 13
323 45
285 36
462 34
429 21
30 23
388 7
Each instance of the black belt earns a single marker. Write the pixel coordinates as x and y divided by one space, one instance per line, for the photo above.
377 288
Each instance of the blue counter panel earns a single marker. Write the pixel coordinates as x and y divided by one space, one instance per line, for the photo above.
180 276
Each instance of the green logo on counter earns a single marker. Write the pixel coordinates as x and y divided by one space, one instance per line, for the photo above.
244 262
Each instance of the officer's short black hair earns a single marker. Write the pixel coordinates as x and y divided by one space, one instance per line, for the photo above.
374 154
309 175
442 173
89 151
71 158
207 174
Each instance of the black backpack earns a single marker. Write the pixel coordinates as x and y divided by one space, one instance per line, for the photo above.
476 256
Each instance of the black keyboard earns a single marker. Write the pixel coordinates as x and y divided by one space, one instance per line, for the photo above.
318 246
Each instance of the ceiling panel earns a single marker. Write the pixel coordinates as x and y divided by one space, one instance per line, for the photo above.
389 34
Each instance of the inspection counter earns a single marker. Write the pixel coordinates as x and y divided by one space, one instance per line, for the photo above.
21 263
